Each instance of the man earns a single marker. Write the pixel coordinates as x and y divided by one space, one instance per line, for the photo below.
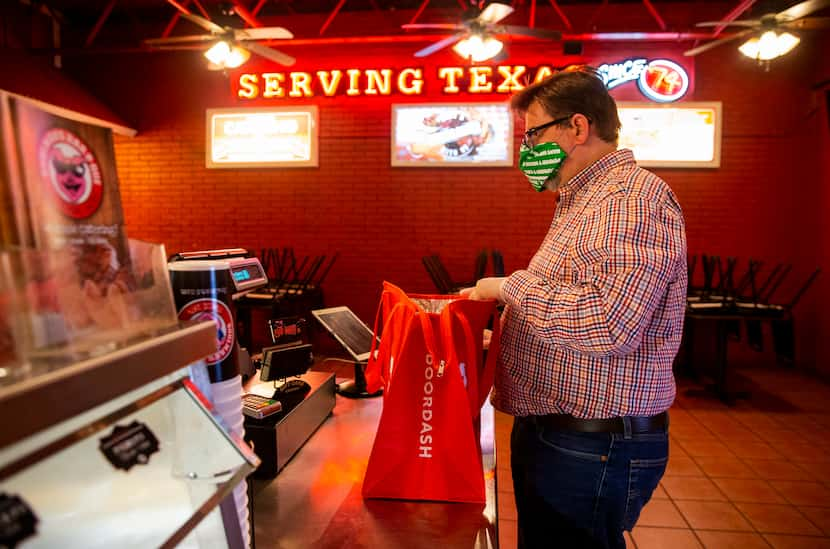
591 326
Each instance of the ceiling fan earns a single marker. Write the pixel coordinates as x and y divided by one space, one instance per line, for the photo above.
769 36
475 36
231 46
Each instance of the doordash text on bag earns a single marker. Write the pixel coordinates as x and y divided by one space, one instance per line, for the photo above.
426 411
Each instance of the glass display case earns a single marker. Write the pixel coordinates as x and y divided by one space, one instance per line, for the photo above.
120 450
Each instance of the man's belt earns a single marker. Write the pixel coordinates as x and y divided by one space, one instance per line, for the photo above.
639 424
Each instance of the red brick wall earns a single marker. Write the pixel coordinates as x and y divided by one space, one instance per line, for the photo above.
381 220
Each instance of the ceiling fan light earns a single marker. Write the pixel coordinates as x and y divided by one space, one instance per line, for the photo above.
750 48
786 42
237 57
769 46
477 48
218 53
462 48
489 49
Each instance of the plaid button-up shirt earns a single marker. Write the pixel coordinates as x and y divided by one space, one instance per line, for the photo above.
592 326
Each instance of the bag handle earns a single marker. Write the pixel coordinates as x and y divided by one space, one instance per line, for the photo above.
374 374
400 319
375 330
488 376
429 341
379 366
471 367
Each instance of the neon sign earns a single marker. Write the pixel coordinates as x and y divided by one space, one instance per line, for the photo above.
619 73
663 81
659 80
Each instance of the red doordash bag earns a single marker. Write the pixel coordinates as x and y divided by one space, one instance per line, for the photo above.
435 379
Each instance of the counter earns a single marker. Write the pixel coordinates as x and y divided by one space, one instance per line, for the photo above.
315 500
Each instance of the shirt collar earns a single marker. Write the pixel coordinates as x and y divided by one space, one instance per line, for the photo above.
620 157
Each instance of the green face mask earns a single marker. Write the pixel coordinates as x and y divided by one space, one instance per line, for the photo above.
540 163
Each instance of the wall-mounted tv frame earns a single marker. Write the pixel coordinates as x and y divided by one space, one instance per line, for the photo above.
271 137
672 135
457 135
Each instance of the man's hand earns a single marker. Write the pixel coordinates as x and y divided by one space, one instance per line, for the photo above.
486 288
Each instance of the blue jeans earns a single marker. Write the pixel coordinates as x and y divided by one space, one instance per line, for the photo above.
582 490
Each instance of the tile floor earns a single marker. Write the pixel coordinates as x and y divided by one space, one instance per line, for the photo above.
756 474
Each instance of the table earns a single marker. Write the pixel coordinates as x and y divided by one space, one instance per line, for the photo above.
315 501
723 321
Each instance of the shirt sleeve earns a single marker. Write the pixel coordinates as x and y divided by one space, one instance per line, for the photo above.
624 255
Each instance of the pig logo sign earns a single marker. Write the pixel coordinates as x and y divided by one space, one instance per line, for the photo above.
70 173
213 309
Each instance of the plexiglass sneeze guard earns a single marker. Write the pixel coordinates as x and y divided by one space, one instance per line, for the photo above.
147 469
52 307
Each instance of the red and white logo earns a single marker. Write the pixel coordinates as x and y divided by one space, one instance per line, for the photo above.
213 309
70 172
663 80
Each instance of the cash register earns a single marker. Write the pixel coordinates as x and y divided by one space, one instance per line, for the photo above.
247 273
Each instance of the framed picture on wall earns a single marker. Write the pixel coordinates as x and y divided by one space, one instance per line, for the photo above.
279 137
676 135
458 135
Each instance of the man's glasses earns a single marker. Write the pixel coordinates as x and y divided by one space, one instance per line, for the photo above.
527 140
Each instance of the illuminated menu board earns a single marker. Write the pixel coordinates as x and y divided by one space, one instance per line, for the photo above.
680 135
452 135
271 137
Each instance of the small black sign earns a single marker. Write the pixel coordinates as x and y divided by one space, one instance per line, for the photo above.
17 521
130 445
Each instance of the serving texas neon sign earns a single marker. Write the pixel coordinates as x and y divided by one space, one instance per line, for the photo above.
659 80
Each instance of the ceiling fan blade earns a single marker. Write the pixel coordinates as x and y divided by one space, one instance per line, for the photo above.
443 26
262 33
172 47
800 10
739 23
527 31
494 13
441 44
808 23
270 53
204 23
715 43
180 39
